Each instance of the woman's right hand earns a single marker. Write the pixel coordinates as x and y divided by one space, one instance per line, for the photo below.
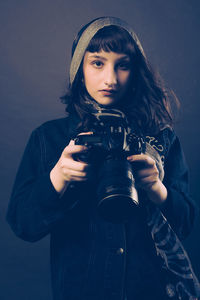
67 169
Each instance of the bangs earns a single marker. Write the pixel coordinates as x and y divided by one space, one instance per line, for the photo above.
112 38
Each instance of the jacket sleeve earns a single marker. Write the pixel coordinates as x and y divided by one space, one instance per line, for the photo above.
35 206
179 208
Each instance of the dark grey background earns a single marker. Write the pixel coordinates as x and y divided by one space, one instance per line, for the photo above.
35 43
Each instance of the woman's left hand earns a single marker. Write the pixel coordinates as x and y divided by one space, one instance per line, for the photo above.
147 177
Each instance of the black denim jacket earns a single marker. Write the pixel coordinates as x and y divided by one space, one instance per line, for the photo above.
92 259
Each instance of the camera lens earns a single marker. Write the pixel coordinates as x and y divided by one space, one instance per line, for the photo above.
117 196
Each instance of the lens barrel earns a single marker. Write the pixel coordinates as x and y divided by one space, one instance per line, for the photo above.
117 196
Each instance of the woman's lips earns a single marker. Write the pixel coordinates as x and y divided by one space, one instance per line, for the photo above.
108 92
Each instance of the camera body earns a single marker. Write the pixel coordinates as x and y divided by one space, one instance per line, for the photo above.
108 147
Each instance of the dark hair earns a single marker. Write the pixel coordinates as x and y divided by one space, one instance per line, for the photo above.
147 104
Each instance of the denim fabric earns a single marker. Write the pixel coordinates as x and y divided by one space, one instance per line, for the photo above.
92 259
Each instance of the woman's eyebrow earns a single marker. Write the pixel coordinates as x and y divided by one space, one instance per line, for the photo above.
97 56
125 57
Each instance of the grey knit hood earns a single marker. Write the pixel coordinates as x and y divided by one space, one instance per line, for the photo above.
89 33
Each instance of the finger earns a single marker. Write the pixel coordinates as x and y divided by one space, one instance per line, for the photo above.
79 179
147 182
146 172
72 149
75 178
89 132
75 174
142 158
74 165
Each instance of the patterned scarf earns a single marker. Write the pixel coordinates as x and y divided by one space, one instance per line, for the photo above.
181 282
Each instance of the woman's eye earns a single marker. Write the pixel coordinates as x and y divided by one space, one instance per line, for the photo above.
97 63
124 65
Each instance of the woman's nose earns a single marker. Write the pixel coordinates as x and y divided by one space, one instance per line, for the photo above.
110 76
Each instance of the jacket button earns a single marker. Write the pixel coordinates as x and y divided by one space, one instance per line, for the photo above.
120 251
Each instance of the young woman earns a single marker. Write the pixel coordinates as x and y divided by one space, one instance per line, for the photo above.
55 191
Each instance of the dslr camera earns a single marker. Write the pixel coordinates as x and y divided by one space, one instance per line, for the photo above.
108 147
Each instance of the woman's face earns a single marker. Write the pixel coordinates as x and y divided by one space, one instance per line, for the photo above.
106 76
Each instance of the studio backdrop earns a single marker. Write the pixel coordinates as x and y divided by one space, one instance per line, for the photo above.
35 46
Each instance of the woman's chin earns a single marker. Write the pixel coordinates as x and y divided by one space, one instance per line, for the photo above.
106 102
